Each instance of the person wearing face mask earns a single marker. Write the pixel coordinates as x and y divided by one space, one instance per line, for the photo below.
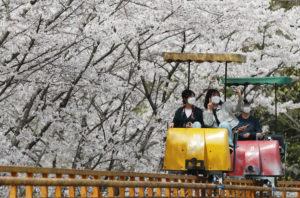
221 114
249 127
188 115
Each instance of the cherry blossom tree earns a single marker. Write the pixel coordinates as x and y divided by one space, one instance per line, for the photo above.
83 83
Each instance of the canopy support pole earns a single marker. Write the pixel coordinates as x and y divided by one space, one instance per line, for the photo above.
189 74
276 116
225 84
244 91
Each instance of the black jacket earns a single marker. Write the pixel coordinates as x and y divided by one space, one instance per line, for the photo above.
180 120
253 127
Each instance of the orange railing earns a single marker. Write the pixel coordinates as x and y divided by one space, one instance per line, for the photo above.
36 173
44 182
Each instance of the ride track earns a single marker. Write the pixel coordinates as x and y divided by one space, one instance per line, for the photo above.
44 182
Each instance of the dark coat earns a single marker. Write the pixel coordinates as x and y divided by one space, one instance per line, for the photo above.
180 120
253 127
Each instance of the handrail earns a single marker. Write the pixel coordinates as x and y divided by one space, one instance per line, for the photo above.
91 183
280 183
293 183
62 171
112 183
20 169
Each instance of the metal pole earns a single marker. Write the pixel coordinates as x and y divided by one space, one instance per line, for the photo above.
244 92
285 149
234 149
189 74
225 84
276 118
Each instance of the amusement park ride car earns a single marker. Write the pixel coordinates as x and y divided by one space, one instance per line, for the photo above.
206 151
260 157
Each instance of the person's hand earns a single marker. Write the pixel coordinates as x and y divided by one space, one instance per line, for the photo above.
242 128
189 125
246 135
171 125
259 135
238 92
210 106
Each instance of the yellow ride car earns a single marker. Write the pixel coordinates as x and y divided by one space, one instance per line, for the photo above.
201 149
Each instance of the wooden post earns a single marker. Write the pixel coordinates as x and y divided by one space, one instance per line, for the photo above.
111 191
29 189
132 190
283 194
72 188
221 193
83 189
158 190
253 193
96 189
175 190
13 190
168 190
149 189
141 189
189 191
122 190
182 190
297 185
58 188
44 189
209 192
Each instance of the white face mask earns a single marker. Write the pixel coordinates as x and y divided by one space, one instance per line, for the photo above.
246 109
191 100
215 99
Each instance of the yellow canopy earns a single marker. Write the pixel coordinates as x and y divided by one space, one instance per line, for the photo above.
203 57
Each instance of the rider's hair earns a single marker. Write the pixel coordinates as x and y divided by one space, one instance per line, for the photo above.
209 93
185 94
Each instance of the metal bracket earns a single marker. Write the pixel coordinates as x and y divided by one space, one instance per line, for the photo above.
194 164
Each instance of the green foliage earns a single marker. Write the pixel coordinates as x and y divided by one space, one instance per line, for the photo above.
293 161
288 93
285 4
141 108
230 91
